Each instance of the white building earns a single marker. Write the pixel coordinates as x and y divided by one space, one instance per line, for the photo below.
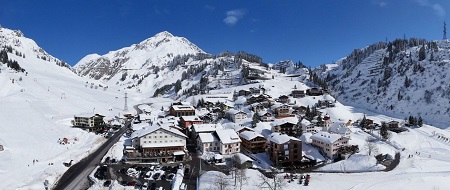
230 142
236 116
329 143
160 141
208 142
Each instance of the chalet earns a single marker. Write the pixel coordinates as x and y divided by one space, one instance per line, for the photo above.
209 117
257 107
253 141
236 116
261 98
307 127
243 161
284 126
230 143
266 116
284 150
255 90
340 129
284 99
181 110
329 143
392 124
281 110
186 121
314 92
244 93
158 143
91 122
298 93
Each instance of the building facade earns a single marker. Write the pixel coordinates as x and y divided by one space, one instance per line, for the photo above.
284 150
253 141
329 143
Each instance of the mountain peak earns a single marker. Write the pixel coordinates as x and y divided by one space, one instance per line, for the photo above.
164 34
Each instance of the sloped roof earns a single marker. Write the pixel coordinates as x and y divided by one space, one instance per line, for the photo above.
326 137
155 127
249 135
228 136
292 120
191 118
207 137
206 127
281 138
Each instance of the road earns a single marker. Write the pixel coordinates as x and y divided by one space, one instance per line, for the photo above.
76 177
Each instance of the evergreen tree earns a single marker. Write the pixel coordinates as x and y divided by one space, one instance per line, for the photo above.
255 118
407 82
384 133
177 86
420 122
422 53
363 123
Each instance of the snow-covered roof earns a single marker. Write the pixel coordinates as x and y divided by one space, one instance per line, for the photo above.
182 107
339 128
292 120
139 126
249 135
326 137
240 100
199 128
281 138
228 136
207 137
234 112
243 158
305 122
306 137
154 127
191 118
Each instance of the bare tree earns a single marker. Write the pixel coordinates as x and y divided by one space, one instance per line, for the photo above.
242 178
276 183
370 146
221 182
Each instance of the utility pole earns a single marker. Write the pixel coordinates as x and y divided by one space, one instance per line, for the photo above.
125 109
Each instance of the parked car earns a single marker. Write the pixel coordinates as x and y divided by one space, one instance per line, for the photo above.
170 177
163 177
157 168
156 176
148 175
145 186
107 183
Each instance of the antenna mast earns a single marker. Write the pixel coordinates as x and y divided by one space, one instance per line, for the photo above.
445 31
125 109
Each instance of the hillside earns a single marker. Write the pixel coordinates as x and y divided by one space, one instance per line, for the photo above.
402 78
37 105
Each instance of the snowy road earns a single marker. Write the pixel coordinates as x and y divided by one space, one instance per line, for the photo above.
77 176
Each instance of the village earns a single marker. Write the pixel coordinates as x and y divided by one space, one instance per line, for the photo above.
243 129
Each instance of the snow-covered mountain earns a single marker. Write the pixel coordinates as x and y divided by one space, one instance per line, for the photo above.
25 50
153 52
402 78
39 95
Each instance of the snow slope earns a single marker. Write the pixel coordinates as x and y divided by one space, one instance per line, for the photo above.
36 111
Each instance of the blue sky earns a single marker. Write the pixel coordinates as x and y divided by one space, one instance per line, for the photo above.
313 31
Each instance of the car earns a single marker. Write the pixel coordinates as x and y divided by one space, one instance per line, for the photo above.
107 159
145 186
164 168
170 177
163 177
152 168
124 183
107 183
156 176
157 168
186 171
183 186
148 175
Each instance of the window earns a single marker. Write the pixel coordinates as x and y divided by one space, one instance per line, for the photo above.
171 140
165 141
165 136
145 141
237 149
160 137
149 137
160 141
